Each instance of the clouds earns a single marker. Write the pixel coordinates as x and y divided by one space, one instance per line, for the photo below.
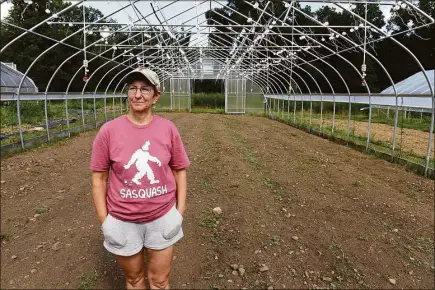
5 9
129 14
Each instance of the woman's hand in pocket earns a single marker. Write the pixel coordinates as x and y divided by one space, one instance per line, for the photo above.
102 219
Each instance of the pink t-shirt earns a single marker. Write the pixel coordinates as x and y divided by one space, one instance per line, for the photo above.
141 186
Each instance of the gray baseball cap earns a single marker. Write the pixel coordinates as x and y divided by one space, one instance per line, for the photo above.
141 72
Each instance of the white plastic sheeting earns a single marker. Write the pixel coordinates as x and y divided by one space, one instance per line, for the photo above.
413 85
420 102
57 96
11 78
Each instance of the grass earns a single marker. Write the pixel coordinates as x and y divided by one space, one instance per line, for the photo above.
205 183
208 222
32 112
343 266
267 182
210 101
86 281
208 111
4 237
255 164
377 145
42 209
37 146
249 155
33 115
414 120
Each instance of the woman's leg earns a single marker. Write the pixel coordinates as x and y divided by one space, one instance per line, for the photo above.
134 270
159 266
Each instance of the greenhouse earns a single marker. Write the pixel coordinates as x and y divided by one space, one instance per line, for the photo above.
11 79
278 55
323 110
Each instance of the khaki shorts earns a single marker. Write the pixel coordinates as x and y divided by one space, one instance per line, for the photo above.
126 238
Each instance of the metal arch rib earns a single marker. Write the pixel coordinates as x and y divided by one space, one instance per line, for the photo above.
96 56
258 52
39 24
285 40
332 89
138 45
314 80
36 59
427 79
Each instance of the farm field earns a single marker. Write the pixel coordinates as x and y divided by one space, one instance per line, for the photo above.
306 212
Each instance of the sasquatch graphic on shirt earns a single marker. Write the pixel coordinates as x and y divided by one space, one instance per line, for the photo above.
141 158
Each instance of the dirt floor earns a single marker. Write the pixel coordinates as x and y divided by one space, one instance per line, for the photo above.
298 212
410 140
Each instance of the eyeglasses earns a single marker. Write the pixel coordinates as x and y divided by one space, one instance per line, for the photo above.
143 90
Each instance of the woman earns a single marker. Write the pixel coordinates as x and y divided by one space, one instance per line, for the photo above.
141 205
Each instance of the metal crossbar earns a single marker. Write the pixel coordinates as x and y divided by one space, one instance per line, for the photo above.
268 49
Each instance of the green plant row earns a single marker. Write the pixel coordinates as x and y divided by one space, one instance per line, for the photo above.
33 114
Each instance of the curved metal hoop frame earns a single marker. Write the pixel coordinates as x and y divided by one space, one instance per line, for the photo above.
281 67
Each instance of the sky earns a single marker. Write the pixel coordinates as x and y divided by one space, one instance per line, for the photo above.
129 15
109 6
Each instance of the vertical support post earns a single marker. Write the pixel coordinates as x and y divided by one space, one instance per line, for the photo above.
67 115
429 141
226 95
396 121
348 119
278 107
179 95
237 95
188 95
333 114
19 123
311 110
244 98
46 117
321 113
95 111
294 107
275 108
120 100
83 114
105 106
288 106
370 122
171 90
243 95
113 106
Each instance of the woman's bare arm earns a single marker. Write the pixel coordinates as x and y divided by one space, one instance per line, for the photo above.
181 180
99 192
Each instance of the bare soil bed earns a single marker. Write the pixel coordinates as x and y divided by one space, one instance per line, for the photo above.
410 140
306 212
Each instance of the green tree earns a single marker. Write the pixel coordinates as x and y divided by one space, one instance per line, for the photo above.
421 41
24 51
